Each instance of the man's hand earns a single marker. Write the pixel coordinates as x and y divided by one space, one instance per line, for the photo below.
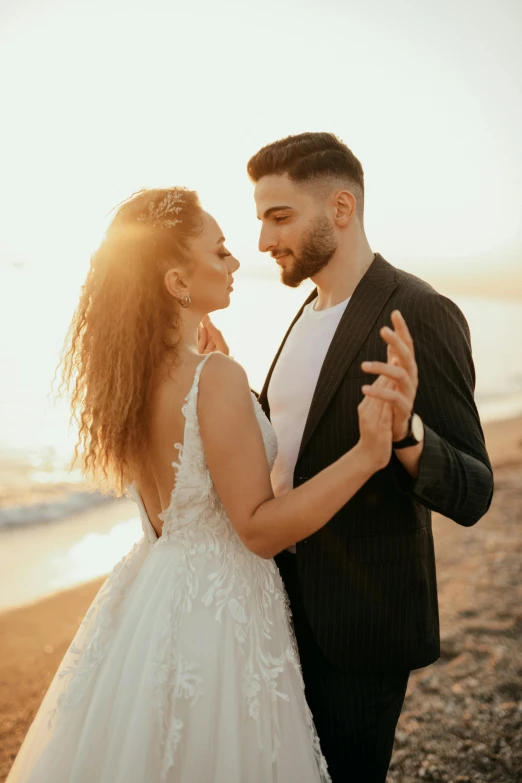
210 338
401 368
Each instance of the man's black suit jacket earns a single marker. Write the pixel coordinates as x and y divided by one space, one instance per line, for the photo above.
368 578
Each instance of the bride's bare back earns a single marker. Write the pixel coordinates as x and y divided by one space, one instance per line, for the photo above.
157 478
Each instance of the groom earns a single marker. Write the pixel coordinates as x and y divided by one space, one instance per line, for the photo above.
363 589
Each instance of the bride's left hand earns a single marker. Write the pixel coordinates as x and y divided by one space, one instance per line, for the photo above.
400 368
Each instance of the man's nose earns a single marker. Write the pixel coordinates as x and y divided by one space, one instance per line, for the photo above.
266 239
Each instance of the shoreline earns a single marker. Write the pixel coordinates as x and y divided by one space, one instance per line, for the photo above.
57 552
67 553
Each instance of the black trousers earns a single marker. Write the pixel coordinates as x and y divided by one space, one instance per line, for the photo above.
355 714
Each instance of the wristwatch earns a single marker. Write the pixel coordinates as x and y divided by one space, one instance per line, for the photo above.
415 434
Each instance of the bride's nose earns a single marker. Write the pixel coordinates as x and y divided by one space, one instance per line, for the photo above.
233 264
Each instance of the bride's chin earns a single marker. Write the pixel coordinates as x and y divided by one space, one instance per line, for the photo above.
223 305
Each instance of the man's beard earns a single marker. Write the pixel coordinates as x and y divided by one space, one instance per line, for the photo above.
317 249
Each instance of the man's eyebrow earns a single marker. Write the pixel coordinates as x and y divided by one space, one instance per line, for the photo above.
274 209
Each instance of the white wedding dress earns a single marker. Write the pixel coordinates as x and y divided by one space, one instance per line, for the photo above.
185 668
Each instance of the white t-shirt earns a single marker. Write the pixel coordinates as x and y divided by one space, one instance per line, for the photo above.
293 384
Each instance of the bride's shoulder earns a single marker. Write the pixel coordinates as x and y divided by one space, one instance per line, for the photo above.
223 378
220 367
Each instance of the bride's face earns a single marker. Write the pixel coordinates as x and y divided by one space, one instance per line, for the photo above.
209 281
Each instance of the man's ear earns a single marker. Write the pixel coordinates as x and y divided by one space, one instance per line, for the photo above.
345 205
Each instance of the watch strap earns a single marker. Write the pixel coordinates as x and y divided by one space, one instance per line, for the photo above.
409 440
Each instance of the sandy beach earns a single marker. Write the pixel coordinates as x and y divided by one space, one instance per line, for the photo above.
462 720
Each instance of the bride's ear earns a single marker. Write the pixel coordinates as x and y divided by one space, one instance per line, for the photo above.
175 282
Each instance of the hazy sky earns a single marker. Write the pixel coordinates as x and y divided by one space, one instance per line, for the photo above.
103 97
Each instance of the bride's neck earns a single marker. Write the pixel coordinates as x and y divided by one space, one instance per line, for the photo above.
186 334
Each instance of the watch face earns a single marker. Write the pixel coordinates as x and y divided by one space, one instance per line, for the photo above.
417 428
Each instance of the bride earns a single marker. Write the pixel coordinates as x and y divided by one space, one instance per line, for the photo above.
185 667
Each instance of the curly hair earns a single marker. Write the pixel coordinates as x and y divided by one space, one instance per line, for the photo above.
124 328
309 158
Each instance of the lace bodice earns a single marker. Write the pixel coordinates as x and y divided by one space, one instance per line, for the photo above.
194 501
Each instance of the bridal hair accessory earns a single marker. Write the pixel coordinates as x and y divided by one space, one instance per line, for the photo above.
164 213
185 300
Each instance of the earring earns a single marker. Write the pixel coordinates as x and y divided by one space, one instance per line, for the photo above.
185 300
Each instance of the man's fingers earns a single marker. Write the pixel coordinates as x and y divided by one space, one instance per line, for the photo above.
394 372
401 327
401 350
383 381
211 326
390 356
202 338
391 394
397 399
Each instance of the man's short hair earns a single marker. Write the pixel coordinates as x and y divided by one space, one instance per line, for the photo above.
310 159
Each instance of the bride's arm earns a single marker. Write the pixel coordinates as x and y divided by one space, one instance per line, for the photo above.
238 466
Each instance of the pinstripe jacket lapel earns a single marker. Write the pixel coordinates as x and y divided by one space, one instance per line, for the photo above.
363 309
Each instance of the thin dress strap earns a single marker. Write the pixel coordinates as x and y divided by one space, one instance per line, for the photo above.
199 368
193 393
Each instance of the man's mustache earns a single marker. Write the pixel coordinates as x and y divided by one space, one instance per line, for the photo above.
279 253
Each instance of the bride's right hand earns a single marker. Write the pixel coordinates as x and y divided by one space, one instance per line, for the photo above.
375 427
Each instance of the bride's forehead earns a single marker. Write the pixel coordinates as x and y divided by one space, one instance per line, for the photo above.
211 234
211 226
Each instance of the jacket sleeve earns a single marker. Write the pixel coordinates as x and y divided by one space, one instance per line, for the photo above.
455 475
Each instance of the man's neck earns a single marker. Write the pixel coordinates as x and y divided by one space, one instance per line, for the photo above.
339 279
